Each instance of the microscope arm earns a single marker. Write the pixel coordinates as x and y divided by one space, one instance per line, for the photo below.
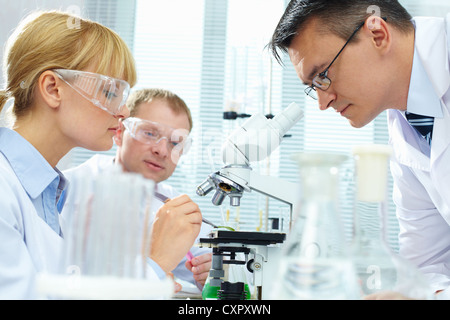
274 187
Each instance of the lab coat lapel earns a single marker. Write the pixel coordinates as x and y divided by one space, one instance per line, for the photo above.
406 151
441 136
434 54
440 160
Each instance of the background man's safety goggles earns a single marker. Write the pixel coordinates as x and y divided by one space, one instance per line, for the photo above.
106 93
152 133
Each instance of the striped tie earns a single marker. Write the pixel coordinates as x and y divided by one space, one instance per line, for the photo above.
423 124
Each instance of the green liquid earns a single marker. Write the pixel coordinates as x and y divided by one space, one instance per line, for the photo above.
225 227
209 292
247 290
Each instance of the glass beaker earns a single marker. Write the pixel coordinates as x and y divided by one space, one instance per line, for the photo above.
107 239
315 263
378 267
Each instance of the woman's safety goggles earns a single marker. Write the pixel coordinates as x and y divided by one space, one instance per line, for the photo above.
106 93
152 133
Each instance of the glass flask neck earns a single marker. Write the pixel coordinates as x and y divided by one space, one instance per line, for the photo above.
319 230
370 209
370 224
319 183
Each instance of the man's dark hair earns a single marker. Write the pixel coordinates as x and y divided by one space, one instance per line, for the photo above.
340 17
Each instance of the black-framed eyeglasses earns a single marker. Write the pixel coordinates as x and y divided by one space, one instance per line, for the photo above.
321 80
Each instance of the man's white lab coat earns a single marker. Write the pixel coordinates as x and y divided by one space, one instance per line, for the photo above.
421 175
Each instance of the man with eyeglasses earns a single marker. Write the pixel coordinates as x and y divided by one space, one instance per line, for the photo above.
150 142
364 57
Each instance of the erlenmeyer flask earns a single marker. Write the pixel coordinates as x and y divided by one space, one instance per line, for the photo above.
378 267
315 263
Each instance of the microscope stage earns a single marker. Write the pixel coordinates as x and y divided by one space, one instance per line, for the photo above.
244 237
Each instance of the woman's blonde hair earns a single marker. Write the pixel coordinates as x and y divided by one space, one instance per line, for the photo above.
147 95
51 40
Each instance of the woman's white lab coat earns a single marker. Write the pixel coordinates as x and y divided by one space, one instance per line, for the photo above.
29 245
421 182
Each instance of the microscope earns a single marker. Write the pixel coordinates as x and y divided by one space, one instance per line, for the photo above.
255 140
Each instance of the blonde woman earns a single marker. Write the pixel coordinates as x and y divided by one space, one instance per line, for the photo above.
69 83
